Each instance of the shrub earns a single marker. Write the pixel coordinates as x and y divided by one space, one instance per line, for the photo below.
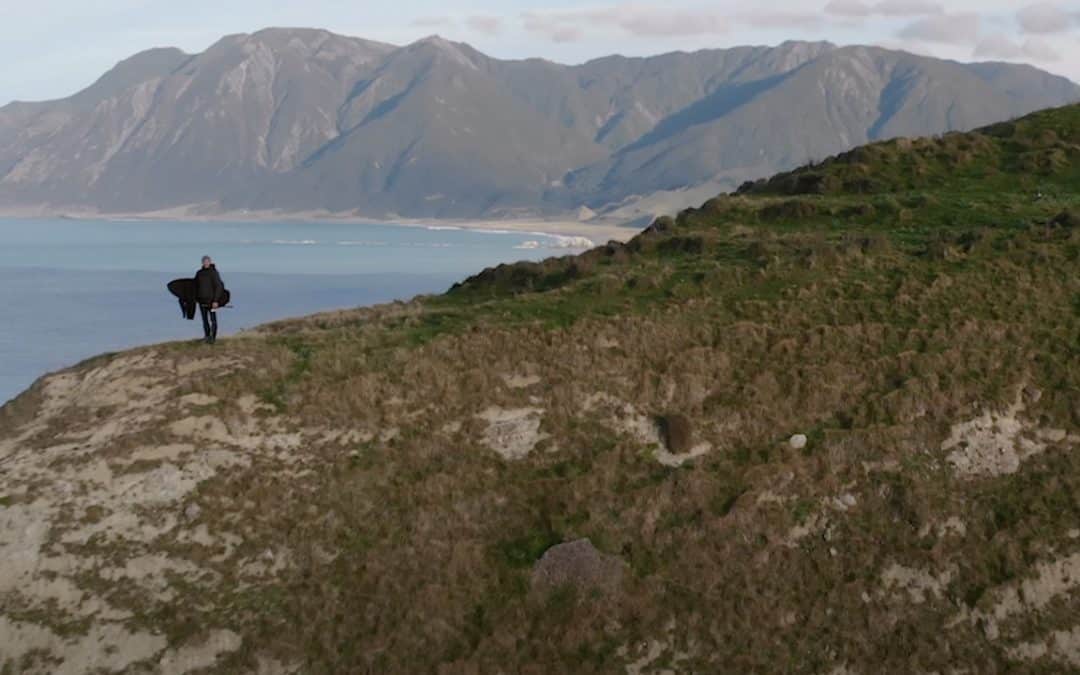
791 209
677 432
1068 219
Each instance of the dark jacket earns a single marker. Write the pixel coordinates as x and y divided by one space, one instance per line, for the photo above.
208 286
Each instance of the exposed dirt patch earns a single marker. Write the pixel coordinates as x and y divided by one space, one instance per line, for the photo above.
660 654
670 438
996 443
192 657
1061 647
105 647
101 500
919 585
521 381
1051 580
513 433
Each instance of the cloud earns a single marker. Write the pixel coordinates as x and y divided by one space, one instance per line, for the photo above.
552 27
434 22
1001 46
1044 18
849 8
1041 51
780 19
485 23
636 19
908 8
859 8
950 29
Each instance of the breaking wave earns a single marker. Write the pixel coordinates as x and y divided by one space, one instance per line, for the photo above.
556 241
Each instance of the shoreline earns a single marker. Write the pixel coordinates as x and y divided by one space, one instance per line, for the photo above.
562 231
599 232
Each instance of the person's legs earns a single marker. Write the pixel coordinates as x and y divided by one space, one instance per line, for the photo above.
213 326
206 316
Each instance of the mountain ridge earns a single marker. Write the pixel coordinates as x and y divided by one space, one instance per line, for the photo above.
301 120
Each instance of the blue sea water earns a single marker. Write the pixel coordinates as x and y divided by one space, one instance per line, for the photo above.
75 288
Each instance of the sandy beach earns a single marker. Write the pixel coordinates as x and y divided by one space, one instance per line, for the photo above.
597 231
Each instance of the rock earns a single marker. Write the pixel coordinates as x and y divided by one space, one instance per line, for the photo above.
192 511
798 441
580 564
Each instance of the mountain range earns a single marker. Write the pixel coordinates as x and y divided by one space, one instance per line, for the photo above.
302 120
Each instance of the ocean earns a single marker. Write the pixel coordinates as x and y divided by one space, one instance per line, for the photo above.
77 288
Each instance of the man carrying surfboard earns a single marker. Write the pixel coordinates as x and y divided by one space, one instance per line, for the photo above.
209 293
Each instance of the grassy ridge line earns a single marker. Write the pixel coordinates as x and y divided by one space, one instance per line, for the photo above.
927 197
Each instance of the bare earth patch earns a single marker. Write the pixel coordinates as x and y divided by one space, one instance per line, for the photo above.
87 506
1062 647
626 419
918 584
513 433
1052 580
197 656
996 443
521 381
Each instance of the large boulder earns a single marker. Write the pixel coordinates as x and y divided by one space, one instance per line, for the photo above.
580 564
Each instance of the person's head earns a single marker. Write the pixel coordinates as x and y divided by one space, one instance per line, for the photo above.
206 261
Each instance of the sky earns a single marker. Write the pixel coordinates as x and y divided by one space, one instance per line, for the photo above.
53 48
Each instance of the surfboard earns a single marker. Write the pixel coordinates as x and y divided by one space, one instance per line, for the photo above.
184 290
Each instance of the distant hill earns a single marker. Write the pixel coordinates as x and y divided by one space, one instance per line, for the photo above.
829 424
305 120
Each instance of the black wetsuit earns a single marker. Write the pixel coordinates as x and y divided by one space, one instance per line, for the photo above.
208 290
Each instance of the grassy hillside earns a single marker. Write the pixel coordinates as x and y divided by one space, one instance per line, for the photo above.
374 490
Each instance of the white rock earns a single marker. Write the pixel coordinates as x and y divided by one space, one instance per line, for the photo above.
798 441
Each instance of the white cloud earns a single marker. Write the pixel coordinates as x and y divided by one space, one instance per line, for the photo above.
909 8
1045 18
945 29
858 8
1041 51
780 19
1000 46
632 18
849 8
485 23
434 22
552 28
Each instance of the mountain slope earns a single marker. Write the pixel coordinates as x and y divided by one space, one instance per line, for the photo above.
410 129
302 120
844 98
828 424
246 108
